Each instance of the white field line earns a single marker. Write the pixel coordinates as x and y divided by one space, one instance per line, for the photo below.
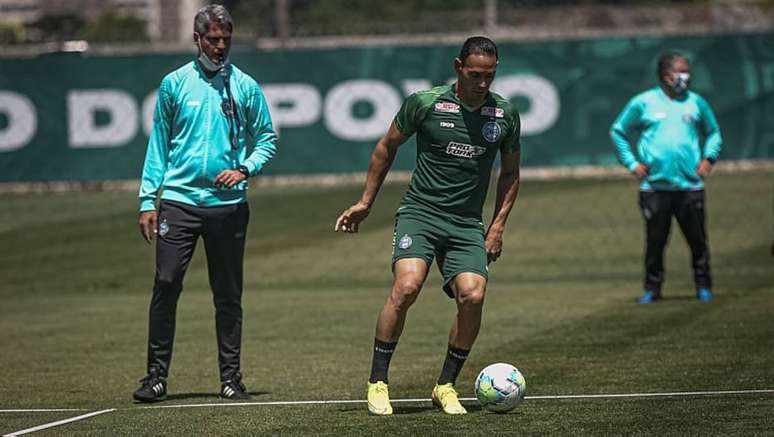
360 401
59 422
41 410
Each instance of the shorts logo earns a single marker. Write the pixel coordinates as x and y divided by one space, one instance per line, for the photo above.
491 111
163 228
447 124
405 242
449 107
491 131
464 150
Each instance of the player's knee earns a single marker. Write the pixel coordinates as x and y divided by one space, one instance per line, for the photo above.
470 295
405 292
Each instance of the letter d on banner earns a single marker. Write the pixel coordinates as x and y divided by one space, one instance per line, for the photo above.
22 121
82 107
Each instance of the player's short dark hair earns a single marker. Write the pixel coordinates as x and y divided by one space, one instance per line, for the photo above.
212 14
478 44
665 62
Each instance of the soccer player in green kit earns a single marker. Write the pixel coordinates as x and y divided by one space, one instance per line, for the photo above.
460 128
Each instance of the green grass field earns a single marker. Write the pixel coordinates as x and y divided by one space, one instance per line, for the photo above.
76 280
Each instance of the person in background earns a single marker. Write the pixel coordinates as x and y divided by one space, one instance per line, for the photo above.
678 144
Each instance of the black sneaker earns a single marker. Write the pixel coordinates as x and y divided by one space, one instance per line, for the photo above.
153 389
234 390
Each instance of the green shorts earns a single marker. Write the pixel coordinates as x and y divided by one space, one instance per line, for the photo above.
457 242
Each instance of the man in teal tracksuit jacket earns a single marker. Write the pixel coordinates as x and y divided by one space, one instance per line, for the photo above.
212 130
679 142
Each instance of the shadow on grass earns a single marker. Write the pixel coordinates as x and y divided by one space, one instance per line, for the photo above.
399 410
211 395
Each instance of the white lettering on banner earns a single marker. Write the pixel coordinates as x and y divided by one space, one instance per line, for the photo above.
293 104
22 121
148 107
82 107
544 105
341 99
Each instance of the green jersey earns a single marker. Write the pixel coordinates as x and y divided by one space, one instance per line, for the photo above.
456 147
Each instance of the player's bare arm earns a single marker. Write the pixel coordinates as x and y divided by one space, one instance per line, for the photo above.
381 161
507 191
148 223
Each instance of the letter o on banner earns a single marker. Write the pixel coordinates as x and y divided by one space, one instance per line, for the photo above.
544 101
22 121
341 99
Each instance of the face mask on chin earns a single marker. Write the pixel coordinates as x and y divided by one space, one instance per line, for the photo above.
207 63
681 82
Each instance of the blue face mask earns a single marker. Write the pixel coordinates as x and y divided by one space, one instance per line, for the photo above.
681 82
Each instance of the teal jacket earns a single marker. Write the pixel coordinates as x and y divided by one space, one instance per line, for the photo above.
191 140
674 136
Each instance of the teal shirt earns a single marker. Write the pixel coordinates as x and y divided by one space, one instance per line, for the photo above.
190 143
674 136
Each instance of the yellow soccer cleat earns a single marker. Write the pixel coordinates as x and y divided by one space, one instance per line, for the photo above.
379 399
447 399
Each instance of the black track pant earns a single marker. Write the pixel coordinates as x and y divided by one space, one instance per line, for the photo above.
687 207
223 231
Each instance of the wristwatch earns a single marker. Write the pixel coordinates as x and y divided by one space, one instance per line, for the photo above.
243 169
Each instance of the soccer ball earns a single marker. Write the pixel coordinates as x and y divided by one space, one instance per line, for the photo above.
500 387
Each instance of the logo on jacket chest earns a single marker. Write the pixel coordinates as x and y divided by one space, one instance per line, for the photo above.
689 118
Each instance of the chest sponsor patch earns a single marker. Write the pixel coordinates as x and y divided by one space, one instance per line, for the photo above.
447 124
660 115
193 103
492 111
449 107
491 131
464 150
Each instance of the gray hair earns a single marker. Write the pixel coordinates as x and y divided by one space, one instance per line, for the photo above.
212 14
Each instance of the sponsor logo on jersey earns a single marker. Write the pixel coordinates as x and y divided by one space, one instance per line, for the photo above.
193 103
449 107
491 131
464 150
405 242
689 118
447 124
491 111
660 115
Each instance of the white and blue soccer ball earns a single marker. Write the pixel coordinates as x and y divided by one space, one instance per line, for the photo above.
500 387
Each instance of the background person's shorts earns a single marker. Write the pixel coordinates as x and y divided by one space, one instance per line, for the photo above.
458 243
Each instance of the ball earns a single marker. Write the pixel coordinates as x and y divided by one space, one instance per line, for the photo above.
500 387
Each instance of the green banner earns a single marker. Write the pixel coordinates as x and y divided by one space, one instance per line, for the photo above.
83 118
